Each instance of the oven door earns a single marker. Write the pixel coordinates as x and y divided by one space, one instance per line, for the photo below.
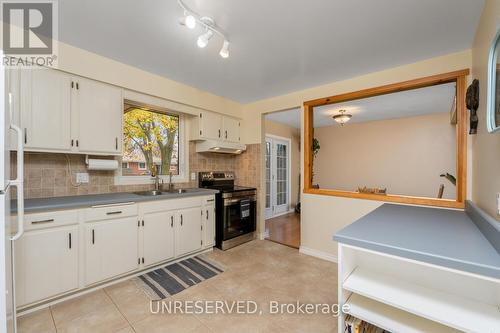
238 218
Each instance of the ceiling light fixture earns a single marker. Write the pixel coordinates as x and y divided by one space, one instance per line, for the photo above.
342 117
191 19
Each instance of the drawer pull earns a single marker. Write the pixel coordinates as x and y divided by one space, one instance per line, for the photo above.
210 200
172 221
93 237
42 221
114 213
181 219
207 214
70 240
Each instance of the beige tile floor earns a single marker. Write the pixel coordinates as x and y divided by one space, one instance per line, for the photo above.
259 271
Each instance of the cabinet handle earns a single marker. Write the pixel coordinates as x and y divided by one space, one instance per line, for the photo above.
143 260
77 86
172 221
226 134
72 142
77 143
42 221
72 84
25 135
116 143
93 236
117 212
181 219
207 214
210 200
70 240
143 223
219 133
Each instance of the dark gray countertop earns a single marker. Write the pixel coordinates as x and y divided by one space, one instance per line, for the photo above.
443 237
82 201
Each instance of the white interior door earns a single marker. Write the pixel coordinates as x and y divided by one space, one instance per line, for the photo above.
277 176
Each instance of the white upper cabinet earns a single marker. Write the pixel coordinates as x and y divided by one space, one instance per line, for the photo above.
99 109
213 126
231 129
46 109
210 125
60 112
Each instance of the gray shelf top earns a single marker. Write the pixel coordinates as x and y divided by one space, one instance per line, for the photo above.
82 201
444 237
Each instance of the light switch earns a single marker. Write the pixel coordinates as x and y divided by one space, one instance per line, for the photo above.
82 177
498 203
193 175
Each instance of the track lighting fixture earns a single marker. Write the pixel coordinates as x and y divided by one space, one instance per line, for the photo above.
192 19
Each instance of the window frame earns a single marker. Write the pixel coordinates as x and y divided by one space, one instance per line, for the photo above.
459 77
183 162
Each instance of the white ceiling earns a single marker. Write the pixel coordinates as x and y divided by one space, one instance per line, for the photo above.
411 103
277 46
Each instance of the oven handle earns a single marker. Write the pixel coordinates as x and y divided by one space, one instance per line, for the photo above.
232 202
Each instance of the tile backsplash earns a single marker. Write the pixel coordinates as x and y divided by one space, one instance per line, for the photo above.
49 175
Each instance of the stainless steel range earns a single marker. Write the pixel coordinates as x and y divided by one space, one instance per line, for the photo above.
235 209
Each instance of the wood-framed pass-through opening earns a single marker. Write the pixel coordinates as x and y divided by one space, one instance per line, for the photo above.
457 77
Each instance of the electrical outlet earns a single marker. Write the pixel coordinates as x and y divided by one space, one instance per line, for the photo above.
82 177
193 175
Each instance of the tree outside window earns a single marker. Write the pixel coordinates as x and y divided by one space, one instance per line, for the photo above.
151 138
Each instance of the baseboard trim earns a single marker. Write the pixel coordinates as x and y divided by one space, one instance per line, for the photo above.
318 254
291 210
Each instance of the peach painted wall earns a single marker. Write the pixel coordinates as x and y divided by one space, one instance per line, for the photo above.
404 155
486 147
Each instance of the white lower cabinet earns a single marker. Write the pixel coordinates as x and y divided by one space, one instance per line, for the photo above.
110 248
209 224
69 250
158 237
46 263
189 231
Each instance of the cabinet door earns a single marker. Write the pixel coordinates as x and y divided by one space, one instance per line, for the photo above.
188 231
46 109
99 109
158 237
111 249
209 225
231 129
46 263
210 125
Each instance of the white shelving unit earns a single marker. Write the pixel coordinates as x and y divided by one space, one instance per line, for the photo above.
390 318
406 296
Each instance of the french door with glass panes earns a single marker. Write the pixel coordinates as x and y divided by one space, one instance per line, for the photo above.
277 176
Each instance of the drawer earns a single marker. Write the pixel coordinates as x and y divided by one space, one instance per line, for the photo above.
44 220
170 204
208 200
108 212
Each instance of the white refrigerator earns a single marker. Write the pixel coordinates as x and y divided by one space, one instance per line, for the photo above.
11 227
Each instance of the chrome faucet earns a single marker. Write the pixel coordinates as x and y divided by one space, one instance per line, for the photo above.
154 175
170 185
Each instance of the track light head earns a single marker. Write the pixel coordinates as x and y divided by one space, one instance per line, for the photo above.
190 21
224 51
203 39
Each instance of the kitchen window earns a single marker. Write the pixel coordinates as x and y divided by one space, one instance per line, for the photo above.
152 141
